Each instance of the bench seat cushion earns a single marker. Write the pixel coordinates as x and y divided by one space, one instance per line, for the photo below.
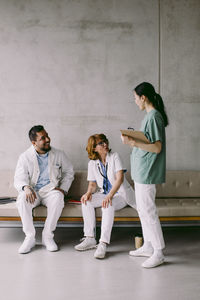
9 210
178 207
166 208
172 207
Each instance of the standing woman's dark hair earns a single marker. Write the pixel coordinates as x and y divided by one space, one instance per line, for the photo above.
147 89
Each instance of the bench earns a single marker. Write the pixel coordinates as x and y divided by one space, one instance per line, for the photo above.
177 200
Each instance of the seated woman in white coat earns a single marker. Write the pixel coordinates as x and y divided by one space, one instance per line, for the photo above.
105 174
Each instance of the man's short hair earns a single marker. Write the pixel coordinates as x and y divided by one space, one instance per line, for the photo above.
33 132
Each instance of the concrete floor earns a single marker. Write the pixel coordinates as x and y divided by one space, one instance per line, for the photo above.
69 274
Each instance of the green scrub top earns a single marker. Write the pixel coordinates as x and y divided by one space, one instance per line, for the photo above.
148 167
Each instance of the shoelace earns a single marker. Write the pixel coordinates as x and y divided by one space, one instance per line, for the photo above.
83 239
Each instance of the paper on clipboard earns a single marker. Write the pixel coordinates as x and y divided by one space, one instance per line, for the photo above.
136 135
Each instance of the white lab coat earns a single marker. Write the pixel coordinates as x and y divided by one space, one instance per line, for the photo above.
27 171
114 165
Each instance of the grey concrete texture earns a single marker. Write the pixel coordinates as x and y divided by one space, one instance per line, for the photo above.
72 65
180 79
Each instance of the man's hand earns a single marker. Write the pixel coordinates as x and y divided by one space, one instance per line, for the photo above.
86 197
30 194
107 201
61 190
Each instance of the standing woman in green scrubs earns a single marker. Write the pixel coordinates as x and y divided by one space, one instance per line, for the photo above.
148 168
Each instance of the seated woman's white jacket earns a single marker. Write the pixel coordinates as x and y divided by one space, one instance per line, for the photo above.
114 165
61 173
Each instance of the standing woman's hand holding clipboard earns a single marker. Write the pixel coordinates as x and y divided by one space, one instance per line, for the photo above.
139 140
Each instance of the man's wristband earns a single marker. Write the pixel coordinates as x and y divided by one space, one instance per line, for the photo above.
24 187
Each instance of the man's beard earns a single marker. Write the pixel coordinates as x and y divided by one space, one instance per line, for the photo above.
45 149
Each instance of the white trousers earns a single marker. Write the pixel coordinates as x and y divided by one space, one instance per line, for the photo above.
53 200
145 200
89 218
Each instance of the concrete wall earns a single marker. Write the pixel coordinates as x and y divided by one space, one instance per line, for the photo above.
71 65
180 80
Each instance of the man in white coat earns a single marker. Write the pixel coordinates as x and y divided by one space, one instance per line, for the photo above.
43 176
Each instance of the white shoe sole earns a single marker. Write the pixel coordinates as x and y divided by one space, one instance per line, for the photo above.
153 265
28 250
85 249
50 249
144 254
99 257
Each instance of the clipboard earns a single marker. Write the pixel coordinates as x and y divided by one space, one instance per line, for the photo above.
136 135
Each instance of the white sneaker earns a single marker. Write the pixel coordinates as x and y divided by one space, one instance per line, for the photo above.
49 243
28 244
86 244
153 261
101 250
142 251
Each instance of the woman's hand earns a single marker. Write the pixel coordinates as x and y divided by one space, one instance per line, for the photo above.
151 147
91 189
107 201
116 185
127 140
86 197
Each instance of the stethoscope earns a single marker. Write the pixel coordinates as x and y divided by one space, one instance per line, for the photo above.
106 177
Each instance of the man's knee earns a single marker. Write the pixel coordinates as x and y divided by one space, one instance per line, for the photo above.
21 198
57 201
22 204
